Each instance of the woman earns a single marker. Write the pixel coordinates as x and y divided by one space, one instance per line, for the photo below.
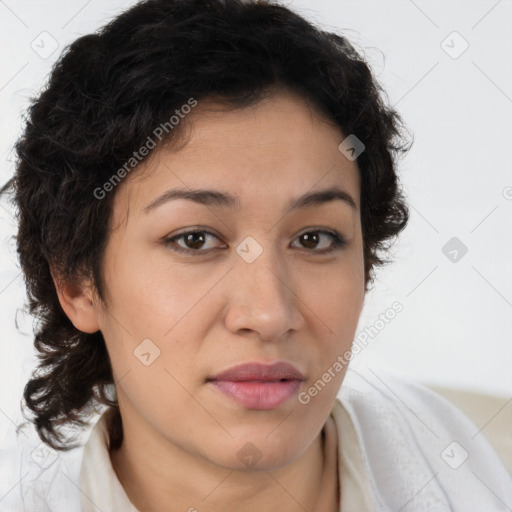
204 191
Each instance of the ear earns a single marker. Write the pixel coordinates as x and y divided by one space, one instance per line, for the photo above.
77 301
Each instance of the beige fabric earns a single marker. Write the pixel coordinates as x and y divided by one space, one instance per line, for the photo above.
491 414
355 490
101 489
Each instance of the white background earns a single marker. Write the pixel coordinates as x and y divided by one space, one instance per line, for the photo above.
455 327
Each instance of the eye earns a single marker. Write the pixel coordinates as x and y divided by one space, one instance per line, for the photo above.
322 241
193 241
197 242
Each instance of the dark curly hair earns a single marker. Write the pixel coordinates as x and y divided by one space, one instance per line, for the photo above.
105 96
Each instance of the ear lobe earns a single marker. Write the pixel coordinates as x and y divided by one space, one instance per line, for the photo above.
76 299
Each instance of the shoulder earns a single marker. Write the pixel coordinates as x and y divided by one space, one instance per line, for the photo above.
36 478
420 452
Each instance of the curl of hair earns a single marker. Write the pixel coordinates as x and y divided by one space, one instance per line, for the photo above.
106 94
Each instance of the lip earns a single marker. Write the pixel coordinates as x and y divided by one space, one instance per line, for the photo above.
259 371
259 386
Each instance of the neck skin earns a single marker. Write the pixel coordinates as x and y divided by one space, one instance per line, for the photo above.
153 484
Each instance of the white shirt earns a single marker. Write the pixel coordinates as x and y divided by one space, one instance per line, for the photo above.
401 447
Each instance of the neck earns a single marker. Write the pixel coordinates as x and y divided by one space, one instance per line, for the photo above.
156 473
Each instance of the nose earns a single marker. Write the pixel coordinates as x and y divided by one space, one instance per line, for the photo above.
262 299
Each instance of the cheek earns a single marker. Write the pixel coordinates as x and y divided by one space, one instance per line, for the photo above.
338 303
335 294
150 295
159 315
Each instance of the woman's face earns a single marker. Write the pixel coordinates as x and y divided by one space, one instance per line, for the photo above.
262 282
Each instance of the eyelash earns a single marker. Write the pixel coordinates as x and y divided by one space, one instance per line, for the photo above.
338 241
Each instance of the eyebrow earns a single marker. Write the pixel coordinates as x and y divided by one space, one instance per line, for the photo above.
222 199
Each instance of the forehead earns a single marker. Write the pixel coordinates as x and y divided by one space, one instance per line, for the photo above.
278 148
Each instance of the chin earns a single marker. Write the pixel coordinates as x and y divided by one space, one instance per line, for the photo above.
257 454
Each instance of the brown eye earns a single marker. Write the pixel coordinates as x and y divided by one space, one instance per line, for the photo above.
321 241
192 242
310 240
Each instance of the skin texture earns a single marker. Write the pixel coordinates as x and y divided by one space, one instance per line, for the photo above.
209 312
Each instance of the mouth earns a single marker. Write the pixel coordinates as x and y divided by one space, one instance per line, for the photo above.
259 386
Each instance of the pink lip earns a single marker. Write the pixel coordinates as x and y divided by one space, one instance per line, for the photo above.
259 386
